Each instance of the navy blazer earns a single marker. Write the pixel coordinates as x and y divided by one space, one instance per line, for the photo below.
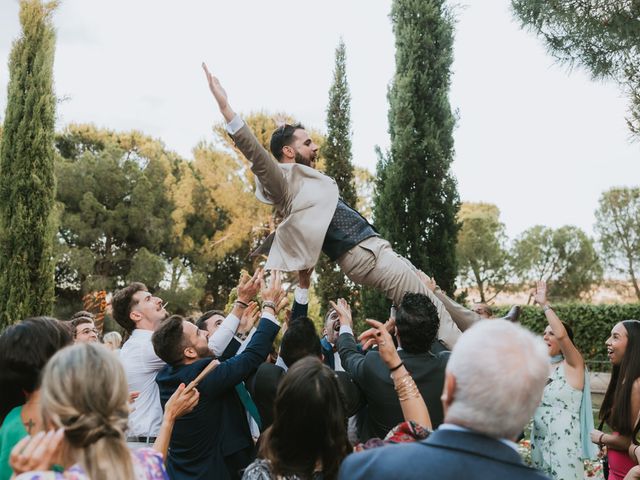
445 455
217 427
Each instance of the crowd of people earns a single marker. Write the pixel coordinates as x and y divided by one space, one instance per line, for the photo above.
436 390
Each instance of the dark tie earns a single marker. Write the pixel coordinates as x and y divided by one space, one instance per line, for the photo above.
248 403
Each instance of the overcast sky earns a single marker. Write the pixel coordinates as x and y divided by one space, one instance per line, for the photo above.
538 141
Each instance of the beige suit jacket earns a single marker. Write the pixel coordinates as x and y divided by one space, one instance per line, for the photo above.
306 199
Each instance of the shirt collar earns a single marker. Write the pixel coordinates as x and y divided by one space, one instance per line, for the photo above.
458 428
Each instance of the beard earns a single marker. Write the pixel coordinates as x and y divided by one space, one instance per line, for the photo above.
203 351
304 161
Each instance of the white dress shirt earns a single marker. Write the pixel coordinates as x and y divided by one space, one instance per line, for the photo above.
141 364
221 338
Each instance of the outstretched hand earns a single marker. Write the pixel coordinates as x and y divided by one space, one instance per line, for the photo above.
219 94
343 310
540 293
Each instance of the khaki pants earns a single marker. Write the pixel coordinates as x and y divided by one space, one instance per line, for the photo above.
374 263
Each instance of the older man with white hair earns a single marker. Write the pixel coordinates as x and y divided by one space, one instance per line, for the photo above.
494 382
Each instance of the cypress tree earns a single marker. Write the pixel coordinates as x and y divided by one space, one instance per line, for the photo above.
417 200
332 282
27 183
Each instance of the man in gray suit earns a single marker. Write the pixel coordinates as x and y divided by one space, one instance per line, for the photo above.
316 219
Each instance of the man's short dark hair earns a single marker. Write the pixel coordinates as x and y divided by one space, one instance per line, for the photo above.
201 322
282 137
75 321
417 322
83 313
169 341
299 341
122 303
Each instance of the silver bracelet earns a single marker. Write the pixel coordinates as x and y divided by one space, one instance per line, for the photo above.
269 304
547 307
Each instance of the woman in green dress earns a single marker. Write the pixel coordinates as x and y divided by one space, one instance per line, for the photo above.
559 441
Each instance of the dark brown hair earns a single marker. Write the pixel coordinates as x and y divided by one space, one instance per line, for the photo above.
168 341
616 405
122 303
299 437
25 348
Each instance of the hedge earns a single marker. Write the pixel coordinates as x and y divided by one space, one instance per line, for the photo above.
591 324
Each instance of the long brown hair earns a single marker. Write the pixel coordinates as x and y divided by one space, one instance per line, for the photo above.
616 405
84 390
309 423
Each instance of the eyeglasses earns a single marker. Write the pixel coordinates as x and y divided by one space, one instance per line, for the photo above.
87 331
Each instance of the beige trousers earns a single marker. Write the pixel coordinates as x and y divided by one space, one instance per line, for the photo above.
374 263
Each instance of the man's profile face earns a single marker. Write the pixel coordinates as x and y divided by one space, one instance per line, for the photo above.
197 339
305 150
149 306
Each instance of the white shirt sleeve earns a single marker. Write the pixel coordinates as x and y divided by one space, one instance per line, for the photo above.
235 124
301 295
346 329
221 338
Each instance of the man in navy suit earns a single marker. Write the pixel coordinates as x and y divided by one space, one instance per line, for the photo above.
213 441
494 382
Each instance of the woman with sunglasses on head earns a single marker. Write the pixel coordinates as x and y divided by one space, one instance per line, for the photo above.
563 421
621 404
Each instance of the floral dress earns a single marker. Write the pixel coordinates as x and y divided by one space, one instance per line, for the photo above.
555 435
147 465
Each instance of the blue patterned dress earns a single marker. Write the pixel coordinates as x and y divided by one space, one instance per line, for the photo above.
555 436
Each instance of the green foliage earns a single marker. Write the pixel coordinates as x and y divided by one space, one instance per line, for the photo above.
332 283
591 324
564 257
417 201
618 222
27 182
598 35
114 204
482 251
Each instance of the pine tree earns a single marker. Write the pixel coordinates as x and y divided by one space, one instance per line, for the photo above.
27 182
417 200
332 283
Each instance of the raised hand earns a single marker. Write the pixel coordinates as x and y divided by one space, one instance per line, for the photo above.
249 286
428 282
343 310
249 317
304 278
271 292
378 335
219 94
540 294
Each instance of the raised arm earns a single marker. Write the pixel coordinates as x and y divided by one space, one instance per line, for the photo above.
272 180
569 351
219 94
247 289
411 401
